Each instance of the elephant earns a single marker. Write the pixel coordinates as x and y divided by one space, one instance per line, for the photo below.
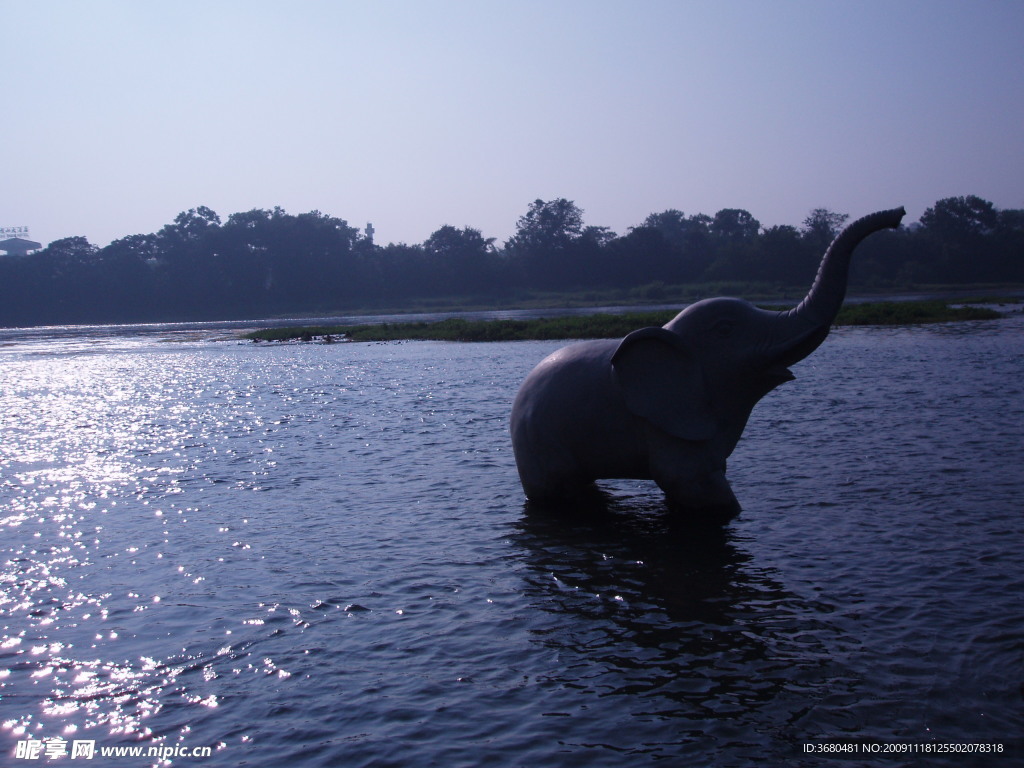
670 403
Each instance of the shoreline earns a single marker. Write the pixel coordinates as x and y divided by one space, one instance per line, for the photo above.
602 324
228 329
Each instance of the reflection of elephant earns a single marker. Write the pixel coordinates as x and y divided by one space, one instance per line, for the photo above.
670 403
647 613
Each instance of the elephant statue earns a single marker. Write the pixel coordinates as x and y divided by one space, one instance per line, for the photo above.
669 404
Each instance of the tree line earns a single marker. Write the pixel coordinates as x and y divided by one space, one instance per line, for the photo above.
263 263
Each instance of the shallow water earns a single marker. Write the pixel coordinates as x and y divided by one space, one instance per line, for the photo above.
321 554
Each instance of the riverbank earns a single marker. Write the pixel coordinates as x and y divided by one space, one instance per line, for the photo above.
660 296
598 326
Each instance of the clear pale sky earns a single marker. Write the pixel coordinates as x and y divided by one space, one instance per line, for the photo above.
117 115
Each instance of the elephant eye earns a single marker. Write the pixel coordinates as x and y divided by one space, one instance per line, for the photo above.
722 328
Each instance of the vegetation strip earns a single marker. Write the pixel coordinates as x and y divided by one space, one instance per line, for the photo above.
599 326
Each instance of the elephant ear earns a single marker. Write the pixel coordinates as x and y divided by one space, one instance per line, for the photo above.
663 384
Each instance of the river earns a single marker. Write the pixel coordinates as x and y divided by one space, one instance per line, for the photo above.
320 555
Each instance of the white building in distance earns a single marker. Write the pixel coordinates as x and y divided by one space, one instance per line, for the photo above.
14 241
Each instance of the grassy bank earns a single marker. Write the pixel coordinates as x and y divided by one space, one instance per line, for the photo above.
661 294
601 326
910 313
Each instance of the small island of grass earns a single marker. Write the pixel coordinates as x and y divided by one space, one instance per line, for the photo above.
598 326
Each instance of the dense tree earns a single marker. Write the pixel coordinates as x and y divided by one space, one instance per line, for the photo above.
961 217
71 250
734 225
688 240
821 227
643 251
672 225
269 262
543 242
598 236
784 261
397 271
733 243
1008 245
462 260
954 228
548 226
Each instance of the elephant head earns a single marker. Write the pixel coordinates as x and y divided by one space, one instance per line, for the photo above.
670 403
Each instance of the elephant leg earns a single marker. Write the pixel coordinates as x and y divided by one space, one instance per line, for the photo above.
557 489
693 481
551 474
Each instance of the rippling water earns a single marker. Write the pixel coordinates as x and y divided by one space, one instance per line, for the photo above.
321 555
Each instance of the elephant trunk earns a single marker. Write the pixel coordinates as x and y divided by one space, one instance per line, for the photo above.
822 303
813 316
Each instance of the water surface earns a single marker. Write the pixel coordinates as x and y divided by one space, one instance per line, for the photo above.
321 554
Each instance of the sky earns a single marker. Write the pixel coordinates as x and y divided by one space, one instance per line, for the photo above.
116 115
